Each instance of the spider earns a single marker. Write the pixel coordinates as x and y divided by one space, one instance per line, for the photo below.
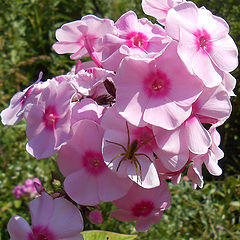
130 153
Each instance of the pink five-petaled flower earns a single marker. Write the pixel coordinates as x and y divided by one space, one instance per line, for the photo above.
134 36
159 8
159 91
128 150
204 44
48 121
88 180
52 219
82 37
145 206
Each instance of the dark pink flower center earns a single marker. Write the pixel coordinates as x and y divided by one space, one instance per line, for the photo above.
41 233
143 208
156 84
203 40
144 136
50 117
93 162
137 39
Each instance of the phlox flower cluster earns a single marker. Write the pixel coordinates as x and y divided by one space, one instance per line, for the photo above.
26 189
141 113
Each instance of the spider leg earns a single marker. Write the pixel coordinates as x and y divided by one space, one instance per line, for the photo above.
133 160
123 158
143 154
128 134
121 154
140 168
118 144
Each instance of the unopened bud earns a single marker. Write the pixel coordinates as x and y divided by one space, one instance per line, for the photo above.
39 188
95 217
110 87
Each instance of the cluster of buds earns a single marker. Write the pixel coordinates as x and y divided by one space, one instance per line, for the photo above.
145 108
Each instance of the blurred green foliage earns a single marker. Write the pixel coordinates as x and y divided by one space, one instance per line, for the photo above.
27 32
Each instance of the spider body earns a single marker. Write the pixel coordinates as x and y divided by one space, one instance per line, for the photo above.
130 153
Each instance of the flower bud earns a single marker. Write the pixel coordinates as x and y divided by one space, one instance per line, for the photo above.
95 217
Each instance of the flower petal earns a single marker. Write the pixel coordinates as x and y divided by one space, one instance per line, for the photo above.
198 138
67 220
18 228
41 210
75 187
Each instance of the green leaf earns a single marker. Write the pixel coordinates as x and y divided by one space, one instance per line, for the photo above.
105 235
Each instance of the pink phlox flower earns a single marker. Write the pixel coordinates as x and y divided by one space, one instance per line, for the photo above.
204 44
135 37
128 150
88 180
159 91
145 206
49 121
52 219
159 8
82 37
14 113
